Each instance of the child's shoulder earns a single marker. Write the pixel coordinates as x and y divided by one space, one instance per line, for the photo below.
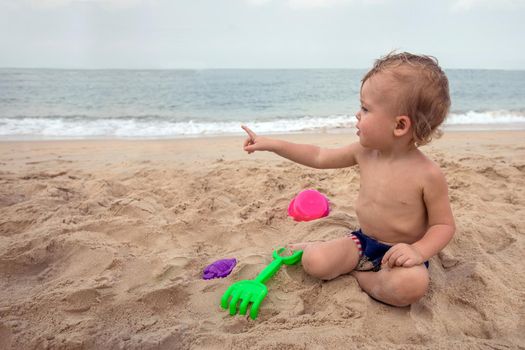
429 170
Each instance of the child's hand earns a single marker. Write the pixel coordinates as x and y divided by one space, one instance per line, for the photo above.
402 254
256 143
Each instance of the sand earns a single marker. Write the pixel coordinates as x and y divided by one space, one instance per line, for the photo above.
103 243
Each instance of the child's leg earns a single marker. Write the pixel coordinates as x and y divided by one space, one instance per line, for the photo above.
398 286
327 260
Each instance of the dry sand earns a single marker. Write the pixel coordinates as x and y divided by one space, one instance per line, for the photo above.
102 245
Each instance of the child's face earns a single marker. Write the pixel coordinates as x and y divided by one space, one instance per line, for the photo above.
375 119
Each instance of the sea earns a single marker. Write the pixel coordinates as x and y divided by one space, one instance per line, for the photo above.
44 104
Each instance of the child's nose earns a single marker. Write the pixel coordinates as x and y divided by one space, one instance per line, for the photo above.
358 116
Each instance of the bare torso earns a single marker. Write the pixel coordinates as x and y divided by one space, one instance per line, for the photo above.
390 206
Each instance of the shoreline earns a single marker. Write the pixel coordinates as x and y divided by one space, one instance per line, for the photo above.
466 128
181 151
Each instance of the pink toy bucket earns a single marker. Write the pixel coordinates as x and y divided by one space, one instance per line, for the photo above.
308 205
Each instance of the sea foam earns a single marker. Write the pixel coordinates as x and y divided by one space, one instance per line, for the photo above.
162 127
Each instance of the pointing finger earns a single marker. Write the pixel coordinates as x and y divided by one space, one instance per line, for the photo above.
249 132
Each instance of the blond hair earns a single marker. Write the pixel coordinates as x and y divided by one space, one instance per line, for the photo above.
421 89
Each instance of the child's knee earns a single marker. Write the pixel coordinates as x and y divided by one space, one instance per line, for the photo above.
316 264
408 287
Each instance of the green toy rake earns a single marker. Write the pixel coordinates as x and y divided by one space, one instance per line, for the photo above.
254 291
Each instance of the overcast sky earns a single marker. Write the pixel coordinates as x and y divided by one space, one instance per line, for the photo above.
258 33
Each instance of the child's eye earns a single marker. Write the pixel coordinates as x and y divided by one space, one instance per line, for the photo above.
364 109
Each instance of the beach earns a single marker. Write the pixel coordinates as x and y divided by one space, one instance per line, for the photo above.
103 244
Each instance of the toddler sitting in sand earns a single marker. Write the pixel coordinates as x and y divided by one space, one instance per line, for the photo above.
403 207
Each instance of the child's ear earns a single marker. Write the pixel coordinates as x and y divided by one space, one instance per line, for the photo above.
403 124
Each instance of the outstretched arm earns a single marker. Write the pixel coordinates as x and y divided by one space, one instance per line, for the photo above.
309 155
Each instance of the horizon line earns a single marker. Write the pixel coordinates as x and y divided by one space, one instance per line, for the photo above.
233 68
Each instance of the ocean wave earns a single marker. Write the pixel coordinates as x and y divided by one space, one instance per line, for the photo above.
487 117
161 127
58 127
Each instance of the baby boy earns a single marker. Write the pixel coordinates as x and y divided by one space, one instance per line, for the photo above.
403 207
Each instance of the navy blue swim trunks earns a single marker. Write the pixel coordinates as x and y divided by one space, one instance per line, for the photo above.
371 251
